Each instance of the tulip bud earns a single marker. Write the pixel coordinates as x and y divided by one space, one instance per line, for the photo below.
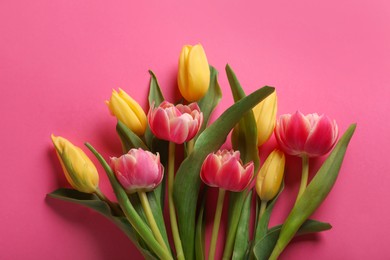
194 73
79 170
270 176
138 170
310 135
265 116
176 124
224 169
128 111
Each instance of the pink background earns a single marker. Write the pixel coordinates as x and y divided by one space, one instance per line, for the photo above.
59 61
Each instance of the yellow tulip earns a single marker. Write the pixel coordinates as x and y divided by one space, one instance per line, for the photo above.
79 170
128 111
265 115
194 73
270 176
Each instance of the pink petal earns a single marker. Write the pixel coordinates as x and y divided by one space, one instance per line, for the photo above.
159 124
209 169
296 132
179 130
229 175
321 138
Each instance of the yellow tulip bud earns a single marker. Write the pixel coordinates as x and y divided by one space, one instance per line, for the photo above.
79 170
265 115
270 176
128 111
194 73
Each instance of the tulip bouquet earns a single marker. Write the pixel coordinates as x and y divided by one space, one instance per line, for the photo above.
151 167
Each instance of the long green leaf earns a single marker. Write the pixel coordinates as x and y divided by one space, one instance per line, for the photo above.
155 98
315 193
208 103
247 129
244 139
263 248
242 238
93 202
187 181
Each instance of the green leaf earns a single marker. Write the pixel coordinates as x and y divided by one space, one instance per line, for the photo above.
208 103
93 202
187 183
263 248
200 231
242 238
129 138
244 139
315 193
155 94
155 97
246 131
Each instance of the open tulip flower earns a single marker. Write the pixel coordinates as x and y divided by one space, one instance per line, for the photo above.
138 170
177 124
312 135
225 170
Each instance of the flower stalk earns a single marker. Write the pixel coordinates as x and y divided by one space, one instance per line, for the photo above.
172 209
305 175
217 221
152 222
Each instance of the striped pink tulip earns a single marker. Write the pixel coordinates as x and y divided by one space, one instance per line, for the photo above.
176 124
138 170
310 135
224 170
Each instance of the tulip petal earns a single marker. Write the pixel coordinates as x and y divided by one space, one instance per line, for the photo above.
159 124
297 131
321 138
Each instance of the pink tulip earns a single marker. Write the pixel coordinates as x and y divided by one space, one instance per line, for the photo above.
224 169
310 135
138 170
176 124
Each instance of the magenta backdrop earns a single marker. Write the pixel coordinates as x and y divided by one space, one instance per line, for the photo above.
59 61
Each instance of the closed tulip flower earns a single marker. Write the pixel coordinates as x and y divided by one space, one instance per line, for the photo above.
311 135
224 169
128 111
265 116
270 176
177 124
194 73
138 170
79 170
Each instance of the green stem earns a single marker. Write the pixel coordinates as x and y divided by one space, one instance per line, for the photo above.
152 222
131 214
263 206
190 146
258 232
113 206
172 209
217 221
305 176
